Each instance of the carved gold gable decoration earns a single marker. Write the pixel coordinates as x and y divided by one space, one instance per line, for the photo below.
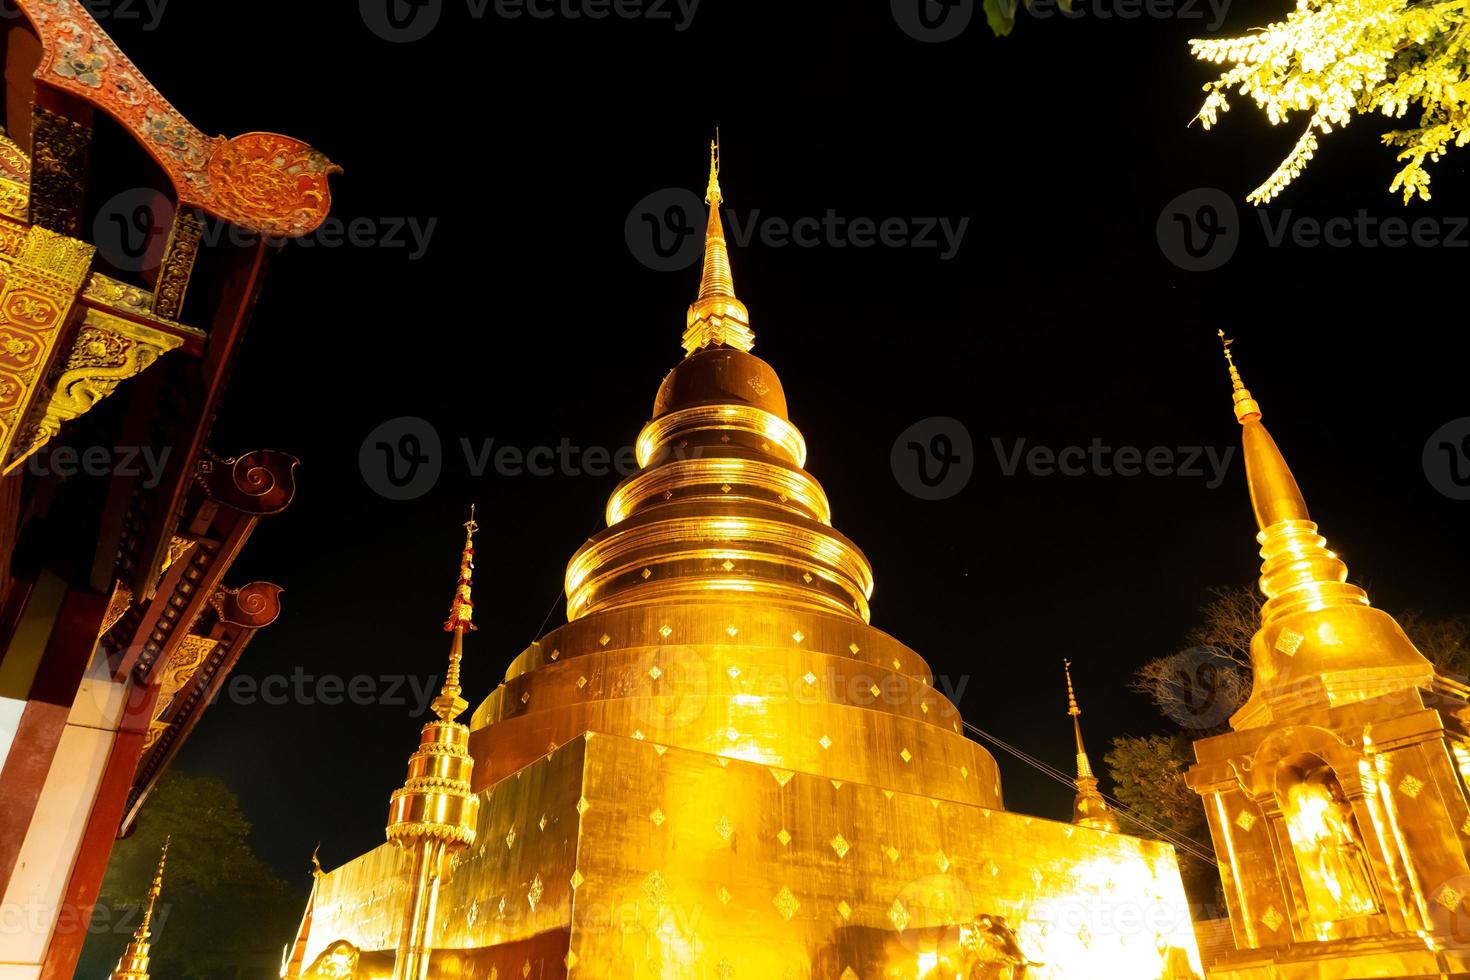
182 666
108 350
40 287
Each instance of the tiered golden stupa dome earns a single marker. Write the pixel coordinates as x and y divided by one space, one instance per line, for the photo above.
718 768
720 610
1320 643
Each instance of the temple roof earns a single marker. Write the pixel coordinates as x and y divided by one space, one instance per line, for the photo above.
262 182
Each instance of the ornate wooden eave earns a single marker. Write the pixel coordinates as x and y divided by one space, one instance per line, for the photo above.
194 676
261 182
143 634
69 334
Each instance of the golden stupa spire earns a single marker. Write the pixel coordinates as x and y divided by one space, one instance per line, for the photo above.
716 318
434 814
1089 809
1084 766
1319 638
449 704
1245 405
134 962
1274 492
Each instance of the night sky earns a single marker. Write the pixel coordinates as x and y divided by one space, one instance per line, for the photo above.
1060 320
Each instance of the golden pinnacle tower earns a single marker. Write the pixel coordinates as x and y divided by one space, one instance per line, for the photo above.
716 768
1090 809
432 818
716 317
134 962
1338 806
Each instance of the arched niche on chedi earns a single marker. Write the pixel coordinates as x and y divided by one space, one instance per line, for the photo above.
1306 783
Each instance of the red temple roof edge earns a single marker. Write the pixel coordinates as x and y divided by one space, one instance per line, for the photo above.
263 182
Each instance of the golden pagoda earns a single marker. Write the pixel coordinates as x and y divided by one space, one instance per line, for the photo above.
1090 808
1338 805
432 818
134 962
717 768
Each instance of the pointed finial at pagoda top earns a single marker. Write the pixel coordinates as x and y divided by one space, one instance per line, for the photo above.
1275 495
1084 766
1090 808
449 704
712 195
1072 708
716 318
156 887
1246 407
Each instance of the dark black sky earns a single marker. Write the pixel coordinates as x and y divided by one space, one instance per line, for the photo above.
529 320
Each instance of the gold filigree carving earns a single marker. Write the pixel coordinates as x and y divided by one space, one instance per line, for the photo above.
14 163
35 301
117 607
179 256
12 234
15 199
182 665
120 295
107 351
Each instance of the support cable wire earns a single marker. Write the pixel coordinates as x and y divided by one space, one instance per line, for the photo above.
1189 845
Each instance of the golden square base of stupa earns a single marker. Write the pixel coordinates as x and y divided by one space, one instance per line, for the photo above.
624 858
1399 959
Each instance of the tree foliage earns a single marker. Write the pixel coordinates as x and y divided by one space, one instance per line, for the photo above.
1148 778
1204 685
1333 59
222 912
